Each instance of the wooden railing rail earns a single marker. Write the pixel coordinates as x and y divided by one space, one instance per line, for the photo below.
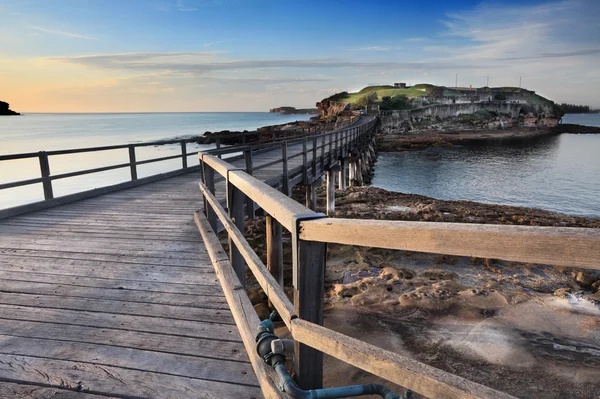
559 246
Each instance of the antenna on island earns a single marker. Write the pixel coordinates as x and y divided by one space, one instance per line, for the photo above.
487 82
520 77
456 81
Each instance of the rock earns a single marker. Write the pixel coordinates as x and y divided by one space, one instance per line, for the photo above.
262 310
585 278
5 109
562 292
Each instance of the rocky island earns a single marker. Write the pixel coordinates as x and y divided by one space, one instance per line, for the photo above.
5 109
294 111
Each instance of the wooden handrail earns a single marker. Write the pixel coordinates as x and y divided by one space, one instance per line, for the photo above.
560 246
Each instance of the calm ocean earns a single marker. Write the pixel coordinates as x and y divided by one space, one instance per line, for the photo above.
560 173
37 132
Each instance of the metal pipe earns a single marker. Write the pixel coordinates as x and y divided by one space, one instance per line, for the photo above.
266 341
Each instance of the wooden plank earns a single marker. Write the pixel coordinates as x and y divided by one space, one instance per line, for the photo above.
174 256
559 246
114 294
147 324
198 313
163 343
82 243
123 275
36 206
119 284
241 308
18 390
66 257
401 370
107 380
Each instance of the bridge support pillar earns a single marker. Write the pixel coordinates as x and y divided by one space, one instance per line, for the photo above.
360 167
342 176
311 195
331 191
351 172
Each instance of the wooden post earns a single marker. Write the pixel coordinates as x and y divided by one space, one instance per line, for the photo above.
132 165
304 163
183 155
351 173
322 153
342 176
45 172
209 181
235 207
331 191
308 305
274 249
311 196
249 170
285 184
359 170
330 157
314 157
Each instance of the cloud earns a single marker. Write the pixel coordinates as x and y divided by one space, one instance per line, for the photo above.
554 55
183 7
415 39
200 63
62 33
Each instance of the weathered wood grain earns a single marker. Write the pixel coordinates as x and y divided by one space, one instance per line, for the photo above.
560 246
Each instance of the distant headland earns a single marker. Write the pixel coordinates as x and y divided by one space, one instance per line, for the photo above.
293 110
5 110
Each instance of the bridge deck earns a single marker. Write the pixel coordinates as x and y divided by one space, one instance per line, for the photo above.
115 295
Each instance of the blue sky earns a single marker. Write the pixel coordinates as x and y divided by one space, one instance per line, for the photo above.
216 55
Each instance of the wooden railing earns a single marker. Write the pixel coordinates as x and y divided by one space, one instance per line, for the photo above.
259 138
310 234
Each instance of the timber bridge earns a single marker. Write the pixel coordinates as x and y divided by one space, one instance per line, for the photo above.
125 291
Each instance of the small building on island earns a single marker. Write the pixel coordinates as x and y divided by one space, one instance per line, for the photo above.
401 85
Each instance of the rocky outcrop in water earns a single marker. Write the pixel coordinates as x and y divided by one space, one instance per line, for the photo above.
5 109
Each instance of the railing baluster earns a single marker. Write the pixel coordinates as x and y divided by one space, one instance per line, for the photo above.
304 163
284 160
236 213
45 172
314 157
249 170
209 181
132 162
183 155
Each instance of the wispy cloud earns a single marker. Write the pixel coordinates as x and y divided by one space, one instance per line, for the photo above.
185 7
62 33
415 39
199 63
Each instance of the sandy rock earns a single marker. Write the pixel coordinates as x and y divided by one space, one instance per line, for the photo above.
585 278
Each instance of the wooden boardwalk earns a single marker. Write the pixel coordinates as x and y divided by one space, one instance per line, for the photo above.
116 296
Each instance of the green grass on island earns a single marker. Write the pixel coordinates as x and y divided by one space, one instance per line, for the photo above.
414 93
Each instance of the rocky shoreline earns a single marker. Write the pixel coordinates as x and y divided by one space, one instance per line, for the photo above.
484 319
419 139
